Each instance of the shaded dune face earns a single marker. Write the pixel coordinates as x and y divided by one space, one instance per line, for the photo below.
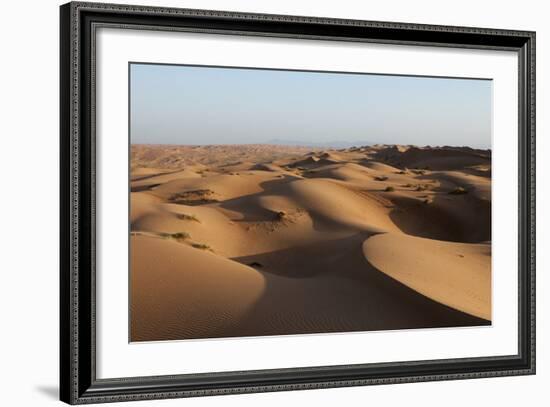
458 219
256 240
445 158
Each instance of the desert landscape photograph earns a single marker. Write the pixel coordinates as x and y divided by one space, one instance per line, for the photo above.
278 202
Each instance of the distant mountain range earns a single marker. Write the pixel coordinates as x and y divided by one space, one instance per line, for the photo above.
327 144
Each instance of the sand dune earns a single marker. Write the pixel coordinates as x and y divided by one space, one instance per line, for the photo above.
434 158
197 300
269 240
455 274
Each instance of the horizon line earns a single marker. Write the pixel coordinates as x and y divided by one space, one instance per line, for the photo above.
311 145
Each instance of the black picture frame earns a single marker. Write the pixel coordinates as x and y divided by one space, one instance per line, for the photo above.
78 382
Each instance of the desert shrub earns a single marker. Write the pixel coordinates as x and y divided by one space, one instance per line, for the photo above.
389 189
180 235
458 191
184 216
195 197
176 236
380 178
201 246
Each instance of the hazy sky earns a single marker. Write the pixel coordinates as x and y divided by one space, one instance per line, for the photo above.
202 105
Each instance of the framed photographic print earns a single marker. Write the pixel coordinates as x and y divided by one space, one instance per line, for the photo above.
255 203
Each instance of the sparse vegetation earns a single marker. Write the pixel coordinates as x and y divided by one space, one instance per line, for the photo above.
201 246
458 191
195 197
184 216
419 172
380 178
389 189
179 236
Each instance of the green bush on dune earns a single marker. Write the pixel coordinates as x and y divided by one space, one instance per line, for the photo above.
201 246
184 216
176 236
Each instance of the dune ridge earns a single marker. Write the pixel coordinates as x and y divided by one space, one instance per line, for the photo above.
250 240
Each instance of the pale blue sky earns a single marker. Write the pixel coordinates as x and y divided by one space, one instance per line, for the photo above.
172 104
